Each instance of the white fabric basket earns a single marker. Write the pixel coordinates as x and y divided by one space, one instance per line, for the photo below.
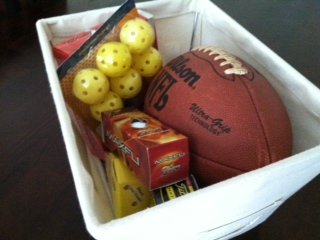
220 211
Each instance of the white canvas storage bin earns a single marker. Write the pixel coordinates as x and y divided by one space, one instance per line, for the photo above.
220 211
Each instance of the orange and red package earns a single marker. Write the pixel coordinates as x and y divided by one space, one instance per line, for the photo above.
158 155
84 57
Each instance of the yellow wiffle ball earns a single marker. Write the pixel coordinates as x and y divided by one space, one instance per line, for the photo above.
127 86
137 34
147 63
90 85
113 59
111 102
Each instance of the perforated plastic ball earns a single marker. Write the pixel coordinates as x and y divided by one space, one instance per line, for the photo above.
138 34
113 59
147 63
90 85
127 86
111 102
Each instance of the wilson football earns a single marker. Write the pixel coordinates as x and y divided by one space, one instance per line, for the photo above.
235 120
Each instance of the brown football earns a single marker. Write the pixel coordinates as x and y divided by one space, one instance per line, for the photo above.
234 118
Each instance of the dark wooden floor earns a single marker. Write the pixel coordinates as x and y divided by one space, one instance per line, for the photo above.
37 195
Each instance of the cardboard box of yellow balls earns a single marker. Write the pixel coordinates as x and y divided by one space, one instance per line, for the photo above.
128 194
110 71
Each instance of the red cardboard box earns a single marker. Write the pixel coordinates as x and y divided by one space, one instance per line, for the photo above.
157 154
68 46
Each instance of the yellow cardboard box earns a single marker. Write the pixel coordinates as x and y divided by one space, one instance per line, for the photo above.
129 195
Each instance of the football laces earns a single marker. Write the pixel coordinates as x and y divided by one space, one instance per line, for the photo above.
219 54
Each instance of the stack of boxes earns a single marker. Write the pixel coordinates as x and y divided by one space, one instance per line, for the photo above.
149 163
